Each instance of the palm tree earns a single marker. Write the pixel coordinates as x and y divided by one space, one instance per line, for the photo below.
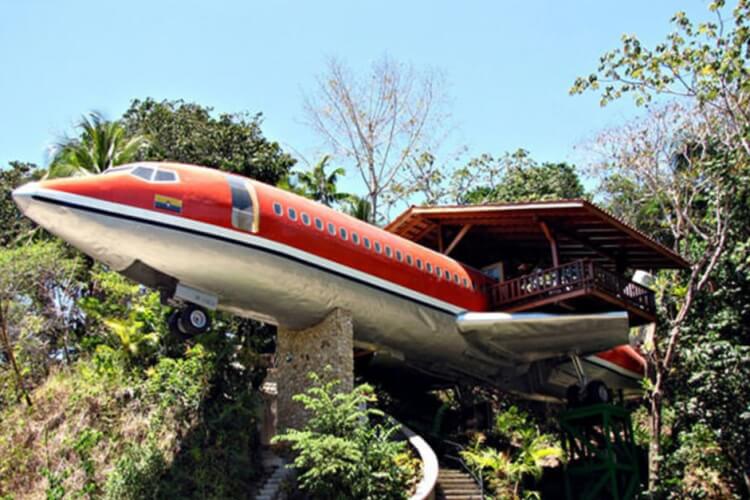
358 207
320 186
101 145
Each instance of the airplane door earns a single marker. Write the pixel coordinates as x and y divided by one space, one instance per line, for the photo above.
245 214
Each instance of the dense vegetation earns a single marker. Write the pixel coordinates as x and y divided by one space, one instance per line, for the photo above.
96 399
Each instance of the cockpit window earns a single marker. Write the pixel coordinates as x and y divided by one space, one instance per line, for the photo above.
165 176
244 215
144 173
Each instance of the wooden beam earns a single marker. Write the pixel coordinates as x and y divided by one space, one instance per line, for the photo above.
552 243
579 238
457 238
440 237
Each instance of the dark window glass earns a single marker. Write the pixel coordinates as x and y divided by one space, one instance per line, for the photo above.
429 267
447 275
466 283
342 233
243 215
366 241
419 263
332 229
377 247
165 176
318 223
399 257
409 260
305 219
388 251
456 279
438 272
277 209
355 238
144 173
292 213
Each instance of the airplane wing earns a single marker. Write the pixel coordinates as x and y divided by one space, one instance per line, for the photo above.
529 337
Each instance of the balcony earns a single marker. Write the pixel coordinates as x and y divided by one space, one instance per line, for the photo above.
579 286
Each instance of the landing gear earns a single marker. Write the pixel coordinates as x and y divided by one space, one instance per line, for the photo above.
585 392
189 321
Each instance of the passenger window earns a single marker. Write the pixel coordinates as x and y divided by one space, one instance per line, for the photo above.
292 213
456 279
165 176
466 283
388 252
366 241
419 263
144 173
277 209
331 229
244 200
305 219
342 233
318 223
447 275
377 247
355 238
409 260
399 257
438 272
429 267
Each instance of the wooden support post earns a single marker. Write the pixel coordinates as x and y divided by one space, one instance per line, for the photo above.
440 238
552 243
457 239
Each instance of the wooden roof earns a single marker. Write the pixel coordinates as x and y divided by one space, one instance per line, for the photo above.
580 228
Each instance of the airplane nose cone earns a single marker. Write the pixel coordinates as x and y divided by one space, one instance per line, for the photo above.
22 195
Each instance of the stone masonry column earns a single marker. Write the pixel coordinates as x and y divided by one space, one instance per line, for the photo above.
298 352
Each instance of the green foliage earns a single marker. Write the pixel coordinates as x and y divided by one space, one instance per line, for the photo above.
358 207
189 133
516 177
527 450
13 225
706 61
319 185
102 144
136 474
340 454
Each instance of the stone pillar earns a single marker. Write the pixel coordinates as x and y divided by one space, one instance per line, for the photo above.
298 352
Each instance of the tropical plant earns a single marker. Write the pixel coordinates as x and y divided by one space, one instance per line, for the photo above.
319 185
341 454
358 208
528 450
102 144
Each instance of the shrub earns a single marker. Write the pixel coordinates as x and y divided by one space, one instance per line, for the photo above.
340 453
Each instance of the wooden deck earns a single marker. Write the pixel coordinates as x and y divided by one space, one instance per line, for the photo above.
581 286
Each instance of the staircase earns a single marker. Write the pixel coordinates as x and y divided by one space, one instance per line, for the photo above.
454 484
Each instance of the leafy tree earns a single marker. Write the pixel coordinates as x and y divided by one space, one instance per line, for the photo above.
190 133
102 144
13 225
319 185
36 283
340 453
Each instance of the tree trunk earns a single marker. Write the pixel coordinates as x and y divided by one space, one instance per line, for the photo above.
654 447
11 356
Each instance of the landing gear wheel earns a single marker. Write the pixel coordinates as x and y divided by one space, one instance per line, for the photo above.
193 320
597 392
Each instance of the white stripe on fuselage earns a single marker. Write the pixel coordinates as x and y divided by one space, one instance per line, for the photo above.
115 209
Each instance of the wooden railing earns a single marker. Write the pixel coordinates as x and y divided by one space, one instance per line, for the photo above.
571 277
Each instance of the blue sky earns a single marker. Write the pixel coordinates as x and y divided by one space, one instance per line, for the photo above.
508 64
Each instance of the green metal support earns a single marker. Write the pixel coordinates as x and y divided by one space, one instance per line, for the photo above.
602 457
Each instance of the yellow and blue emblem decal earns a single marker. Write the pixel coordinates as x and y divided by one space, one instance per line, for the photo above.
168 203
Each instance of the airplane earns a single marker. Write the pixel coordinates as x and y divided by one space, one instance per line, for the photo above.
211 240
